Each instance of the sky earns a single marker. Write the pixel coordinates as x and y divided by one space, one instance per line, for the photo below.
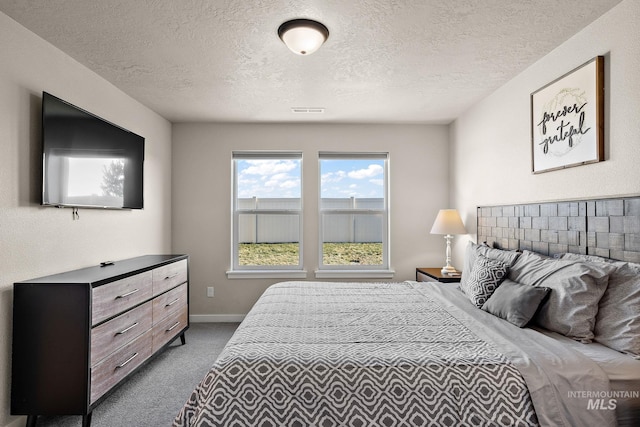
339 178
352 178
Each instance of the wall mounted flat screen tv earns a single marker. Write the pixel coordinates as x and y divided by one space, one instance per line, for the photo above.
88 161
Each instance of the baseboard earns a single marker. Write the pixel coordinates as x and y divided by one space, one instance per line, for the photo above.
216 318
19 422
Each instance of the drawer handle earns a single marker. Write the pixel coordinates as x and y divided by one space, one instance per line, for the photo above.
123 364
172 302
173 327
127 294
171 276
125 330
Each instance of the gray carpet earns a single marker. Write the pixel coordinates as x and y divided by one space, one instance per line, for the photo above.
154 395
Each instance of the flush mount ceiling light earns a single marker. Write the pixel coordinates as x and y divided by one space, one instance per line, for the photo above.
303 36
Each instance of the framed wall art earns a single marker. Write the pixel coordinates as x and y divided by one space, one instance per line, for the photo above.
567 119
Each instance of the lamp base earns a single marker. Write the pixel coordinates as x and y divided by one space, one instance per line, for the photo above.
448 269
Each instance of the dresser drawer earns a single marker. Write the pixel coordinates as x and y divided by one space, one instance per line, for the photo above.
115 367
169 327
168 276
115 333
169 302
116 297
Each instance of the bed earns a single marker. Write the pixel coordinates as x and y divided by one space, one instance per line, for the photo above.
422 353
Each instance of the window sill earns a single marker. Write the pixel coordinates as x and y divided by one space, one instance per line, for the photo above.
266 274
354 274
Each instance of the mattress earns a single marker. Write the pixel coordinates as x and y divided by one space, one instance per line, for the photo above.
330 354
623 372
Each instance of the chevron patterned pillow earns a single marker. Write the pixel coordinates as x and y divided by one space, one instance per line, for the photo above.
484 278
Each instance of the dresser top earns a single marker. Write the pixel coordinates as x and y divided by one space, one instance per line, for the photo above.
97 275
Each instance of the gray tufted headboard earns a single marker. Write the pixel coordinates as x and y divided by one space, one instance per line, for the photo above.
606 227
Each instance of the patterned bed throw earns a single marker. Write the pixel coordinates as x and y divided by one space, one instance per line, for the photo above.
353 354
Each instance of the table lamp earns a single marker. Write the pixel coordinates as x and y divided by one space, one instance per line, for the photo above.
448 222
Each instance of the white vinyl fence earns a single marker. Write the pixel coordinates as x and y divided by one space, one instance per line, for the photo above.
337 228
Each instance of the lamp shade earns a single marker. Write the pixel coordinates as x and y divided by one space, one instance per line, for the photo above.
448 221
303 36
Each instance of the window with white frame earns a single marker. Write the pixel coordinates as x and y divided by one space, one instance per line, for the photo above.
267 211
354 211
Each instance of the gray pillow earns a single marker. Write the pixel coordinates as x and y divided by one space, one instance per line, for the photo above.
484 278
515 302
472 250
618 319
582 257
467 265
577 289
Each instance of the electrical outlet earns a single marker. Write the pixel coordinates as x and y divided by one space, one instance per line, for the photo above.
210 291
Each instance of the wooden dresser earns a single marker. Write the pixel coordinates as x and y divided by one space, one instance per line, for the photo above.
79 334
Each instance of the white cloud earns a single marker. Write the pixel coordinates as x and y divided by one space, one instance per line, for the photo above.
269 178
377 181
246 182
277 179
333 177
268 167
371 171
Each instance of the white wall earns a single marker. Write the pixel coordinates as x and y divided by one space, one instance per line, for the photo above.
202 178
37 241
491 143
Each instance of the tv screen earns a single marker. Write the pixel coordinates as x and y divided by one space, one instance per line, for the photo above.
87 161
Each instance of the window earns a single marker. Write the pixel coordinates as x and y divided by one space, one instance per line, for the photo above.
267 211
354 213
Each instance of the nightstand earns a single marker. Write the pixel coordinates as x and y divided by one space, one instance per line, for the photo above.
424 274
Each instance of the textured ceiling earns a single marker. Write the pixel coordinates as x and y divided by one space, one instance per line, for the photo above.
422 61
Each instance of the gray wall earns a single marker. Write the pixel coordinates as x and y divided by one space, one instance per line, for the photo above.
37 241
202 174
491 142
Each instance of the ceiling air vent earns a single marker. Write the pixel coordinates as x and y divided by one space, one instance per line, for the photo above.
307 110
